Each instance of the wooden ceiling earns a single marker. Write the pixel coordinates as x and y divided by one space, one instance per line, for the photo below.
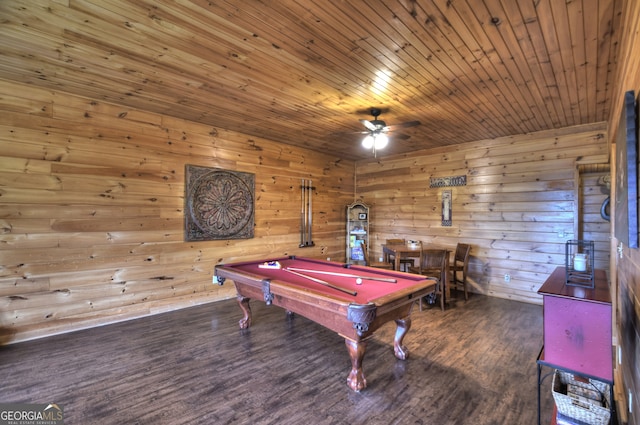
305 72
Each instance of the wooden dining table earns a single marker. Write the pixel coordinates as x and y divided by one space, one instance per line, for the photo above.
398 250
410 250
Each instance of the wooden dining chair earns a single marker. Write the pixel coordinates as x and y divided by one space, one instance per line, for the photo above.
376 264
434 265
459 267
404 261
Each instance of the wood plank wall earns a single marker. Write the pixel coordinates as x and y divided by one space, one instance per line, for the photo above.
626 267
517 209
91 210
594 190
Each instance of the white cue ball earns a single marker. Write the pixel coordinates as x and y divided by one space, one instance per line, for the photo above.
358 281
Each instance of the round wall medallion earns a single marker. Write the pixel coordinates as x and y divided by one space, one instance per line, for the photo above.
220 205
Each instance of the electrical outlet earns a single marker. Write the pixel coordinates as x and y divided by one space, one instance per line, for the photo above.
507 277
328 258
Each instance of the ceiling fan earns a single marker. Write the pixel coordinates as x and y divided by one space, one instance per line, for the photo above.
377 131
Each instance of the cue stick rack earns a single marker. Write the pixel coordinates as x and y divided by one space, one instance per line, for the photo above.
306 213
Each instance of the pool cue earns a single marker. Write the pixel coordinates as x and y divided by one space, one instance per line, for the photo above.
310 219
381 279
302 216
322 282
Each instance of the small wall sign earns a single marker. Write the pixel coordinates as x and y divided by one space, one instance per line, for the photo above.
448 181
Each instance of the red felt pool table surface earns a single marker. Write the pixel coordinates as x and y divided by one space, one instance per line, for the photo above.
368 291
329 294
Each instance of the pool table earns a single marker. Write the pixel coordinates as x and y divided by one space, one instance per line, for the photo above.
352 300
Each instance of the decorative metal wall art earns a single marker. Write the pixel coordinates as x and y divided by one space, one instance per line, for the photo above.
446 208
448 181
219 204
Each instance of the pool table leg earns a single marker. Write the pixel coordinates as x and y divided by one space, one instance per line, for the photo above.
243 302
400 350
356 380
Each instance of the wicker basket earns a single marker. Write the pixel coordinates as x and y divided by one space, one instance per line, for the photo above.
584 412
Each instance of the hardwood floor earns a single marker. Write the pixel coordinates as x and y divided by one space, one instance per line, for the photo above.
472 364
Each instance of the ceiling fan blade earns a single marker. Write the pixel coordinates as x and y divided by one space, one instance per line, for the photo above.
348 133
400 136
403 125
369 125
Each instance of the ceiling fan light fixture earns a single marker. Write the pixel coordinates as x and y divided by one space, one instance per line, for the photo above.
368 141
375 140
381 140
376 134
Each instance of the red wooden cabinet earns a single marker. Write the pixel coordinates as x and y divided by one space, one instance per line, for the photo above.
577 328
577 325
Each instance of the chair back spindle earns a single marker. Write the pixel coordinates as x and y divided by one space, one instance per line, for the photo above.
460 266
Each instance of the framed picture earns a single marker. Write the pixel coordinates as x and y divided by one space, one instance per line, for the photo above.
362 216
626 206
446 208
